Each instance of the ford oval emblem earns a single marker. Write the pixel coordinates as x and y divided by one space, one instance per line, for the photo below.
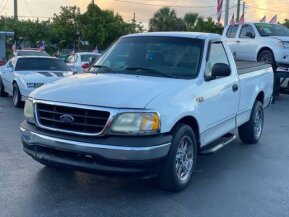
66 118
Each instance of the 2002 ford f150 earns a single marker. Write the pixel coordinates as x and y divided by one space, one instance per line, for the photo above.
148 106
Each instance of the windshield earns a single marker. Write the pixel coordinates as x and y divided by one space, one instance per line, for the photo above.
153 56
31 53
25 64
86 57
267 29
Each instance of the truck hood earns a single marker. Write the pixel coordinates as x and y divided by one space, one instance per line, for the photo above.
105 90
41 76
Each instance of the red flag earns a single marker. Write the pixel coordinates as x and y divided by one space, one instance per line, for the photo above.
219 9
263 20
232 22
274 19
242 19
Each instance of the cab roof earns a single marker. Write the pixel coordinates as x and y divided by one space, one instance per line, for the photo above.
195 35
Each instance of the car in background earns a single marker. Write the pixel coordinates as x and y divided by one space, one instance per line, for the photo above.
81 61
31 52
263 42
2 62
21 75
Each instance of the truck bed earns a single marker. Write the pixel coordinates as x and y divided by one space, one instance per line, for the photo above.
244 67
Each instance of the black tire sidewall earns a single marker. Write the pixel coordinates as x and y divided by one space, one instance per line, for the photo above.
18 103
273 62
175 184
1 87
257 105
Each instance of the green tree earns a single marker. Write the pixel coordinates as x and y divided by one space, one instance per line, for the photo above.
190 19
286 23
166 19
65 26
208 25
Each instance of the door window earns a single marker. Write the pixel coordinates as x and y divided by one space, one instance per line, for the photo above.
247 31
232 31
217 55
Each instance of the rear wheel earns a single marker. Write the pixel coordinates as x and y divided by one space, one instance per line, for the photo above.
267 56
181 160
251 132
16 96
2 91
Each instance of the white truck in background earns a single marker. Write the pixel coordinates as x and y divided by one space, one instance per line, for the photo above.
262 42
148 106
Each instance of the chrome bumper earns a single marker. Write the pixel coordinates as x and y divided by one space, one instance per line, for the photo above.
106 151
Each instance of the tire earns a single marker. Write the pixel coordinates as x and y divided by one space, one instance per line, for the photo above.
267 56
2 91
16 96
180 162
251 131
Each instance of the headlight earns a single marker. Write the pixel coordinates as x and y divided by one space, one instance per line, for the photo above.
34 85
285 44
29 111
136 123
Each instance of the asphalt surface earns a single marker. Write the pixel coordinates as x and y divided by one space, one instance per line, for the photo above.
237 181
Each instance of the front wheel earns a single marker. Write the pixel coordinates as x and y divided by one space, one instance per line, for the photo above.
251 132
2 90
181 160
267 56
16 96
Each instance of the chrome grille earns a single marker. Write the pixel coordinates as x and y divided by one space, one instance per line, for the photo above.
84 121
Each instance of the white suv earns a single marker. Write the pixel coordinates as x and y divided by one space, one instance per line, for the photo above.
263 42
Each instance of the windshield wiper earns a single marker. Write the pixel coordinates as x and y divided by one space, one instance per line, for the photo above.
152 70
103 67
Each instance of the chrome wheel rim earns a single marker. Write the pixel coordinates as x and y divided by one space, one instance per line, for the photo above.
15 96
184 158
258 122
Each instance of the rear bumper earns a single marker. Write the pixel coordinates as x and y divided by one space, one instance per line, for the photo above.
103 157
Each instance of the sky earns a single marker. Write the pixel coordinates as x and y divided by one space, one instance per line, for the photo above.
144 10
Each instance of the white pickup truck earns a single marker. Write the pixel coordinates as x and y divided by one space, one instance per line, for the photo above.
147 107
262 42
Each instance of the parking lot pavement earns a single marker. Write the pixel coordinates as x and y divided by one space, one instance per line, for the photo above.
238 180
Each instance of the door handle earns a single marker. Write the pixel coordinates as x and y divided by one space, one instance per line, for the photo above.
235 87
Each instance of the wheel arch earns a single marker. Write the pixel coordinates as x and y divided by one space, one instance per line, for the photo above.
263 49
260 97
193 123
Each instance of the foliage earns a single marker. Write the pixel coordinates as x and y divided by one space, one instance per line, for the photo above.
208 26
286 23
190 20
166 19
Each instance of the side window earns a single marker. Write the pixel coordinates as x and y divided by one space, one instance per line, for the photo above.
232 31
247 31
9 64
217 54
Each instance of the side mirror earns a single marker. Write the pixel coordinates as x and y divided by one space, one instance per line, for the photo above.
250 35
220 70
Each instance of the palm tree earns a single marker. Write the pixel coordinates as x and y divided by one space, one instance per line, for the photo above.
190 19
166 19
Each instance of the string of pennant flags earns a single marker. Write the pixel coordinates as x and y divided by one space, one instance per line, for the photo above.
242 20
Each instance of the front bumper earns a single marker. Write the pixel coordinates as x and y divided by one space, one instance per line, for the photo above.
282 57
101 155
